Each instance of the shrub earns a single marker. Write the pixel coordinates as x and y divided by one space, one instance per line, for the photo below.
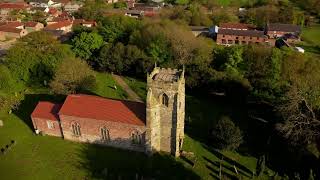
226 135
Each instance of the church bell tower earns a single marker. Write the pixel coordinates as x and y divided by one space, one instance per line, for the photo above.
165 110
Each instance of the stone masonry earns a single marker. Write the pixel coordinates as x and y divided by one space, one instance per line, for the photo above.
165 110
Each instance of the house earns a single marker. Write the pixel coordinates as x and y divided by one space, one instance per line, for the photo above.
155 126
6 8
53 12
72 7
85 23
11 32
231 36
65 26
33 26
276 30
134 13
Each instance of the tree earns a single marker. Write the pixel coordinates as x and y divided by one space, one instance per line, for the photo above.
119 58
117 28
6 80
301 123
85 44
72 76
226 135
34 57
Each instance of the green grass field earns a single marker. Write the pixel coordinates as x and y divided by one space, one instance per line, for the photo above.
45 157
311 39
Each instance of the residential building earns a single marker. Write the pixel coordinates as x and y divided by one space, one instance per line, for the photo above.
230 37
33 26
85 23
155 126
72 7
6 8
65 26
276 30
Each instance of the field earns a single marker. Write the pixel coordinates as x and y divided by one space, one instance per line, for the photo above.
311 39
44 157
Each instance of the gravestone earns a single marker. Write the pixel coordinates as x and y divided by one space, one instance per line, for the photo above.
1 123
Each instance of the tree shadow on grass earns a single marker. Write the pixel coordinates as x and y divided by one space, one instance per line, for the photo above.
30 101
241 168
111 163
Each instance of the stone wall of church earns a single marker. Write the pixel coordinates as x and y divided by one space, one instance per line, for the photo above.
120 133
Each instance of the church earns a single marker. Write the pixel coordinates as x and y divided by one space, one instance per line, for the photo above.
154 126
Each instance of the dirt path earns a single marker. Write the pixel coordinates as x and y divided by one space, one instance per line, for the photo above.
132 95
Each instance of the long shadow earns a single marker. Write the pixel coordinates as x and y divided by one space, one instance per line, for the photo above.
111 163
217 164
230 161
30 101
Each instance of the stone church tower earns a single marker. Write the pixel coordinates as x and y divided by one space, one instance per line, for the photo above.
165 110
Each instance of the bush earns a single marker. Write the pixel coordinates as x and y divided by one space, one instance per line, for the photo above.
226 135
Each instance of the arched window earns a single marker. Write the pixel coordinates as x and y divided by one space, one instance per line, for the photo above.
76 129
104 134
165 100
136 137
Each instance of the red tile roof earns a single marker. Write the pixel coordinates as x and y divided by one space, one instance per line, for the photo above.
52 11
94 107
46 110
13 24
58 25
31 24
10 29
13 6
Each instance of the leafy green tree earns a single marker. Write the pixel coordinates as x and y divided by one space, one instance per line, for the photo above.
6 80
73 76
117 28
85 44
35 57
263 70
226 135
119 58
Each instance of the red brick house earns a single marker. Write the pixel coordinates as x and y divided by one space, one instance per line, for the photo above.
230 37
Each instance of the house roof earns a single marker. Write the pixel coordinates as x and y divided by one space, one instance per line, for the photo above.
236 26
31 24
94 107
52 11
10 29
46 110
82 21
13 5
252 33
284 27
13 24
58 25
